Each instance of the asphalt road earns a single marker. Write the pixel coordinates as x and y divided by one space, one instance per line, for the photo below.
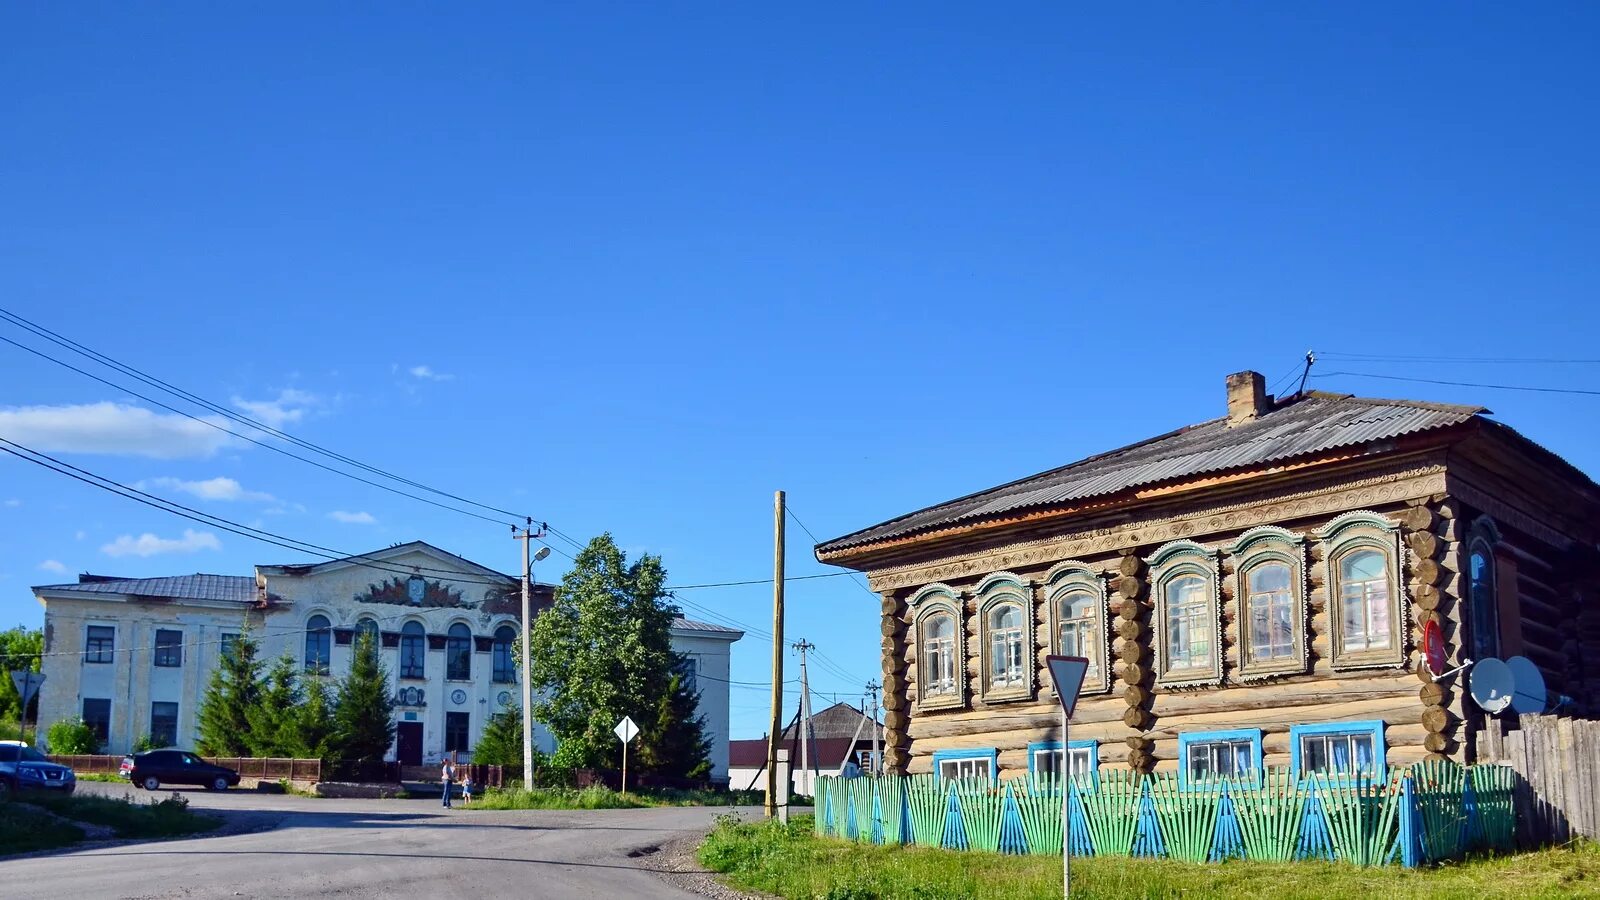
372 848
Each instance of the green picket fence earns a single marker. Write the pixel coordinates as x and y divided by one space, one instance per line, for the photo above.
1423 813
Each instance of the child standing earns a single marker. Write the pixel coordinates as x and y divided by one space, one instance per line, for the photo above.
466 788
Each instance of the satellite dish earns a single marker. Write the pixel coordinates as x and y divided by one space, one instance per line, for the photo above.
1491 685
1433 648
1527 686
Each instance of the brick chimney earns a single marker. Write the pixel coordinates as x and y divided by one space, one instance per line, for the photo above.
1247 397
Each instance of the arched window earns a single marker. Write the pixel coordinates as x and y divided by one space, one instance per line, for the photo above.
1006 658
413 650
1076 605
458 653
319 645
1188 651
505 671
1365 605
1269 587
1271 610
1483 599
367 628
938 663
1364 595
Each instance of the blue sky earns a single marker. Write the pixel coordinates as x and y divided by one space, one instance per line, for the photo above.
632 269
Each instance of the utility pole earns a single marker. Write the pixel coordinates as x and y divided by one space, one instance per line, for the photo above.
777 658
877 760
527 535
804 645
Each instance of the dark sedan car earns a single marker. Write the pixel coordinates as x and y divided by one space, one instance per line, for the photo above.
153 768
23 768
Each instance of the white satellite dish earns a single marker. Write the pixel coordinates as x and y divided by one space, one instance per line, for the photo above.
1491 685
1527 686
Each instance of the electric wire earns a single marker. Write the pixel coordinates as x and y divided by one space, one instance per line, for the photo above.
1471 384
1513 360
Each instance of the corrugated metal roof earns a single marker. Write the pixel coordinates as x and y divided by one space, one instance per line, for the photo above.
690 625
236 588
1311 424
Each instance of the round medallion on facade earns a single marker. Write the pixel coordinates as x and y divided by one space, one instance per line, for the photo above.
458 696
504 698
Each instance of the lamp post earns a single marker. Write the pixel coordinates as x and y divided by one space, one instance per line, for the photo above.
527 650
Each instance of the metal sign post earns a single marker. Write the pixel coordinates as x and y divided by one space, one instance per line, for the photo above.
1067 672
27 683
626 730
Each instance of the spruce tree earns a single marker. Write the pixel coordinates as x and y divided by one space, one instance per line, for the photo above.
363 716
501 741
674 743
313 722
234 690
272 718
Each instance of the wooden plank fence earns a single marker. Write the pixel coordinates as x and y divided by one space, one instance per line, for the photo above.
1557 761
261 768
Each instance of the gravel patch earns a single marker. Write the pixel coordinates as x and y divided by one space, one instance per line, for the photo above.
675 863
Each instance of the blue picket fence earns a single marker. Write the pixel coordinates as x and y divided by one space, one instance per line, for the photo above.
1414 816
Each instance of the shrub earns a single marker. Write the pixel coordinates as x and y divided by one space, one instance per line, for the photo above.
145 742
72 737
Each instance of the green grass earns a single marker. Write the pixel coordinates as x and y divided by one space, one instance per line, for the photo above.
129 817
24 829
605 798
793 863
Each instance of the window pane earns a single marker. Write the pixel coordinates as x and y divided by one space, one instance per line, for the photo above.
319 645
1188 623
169 648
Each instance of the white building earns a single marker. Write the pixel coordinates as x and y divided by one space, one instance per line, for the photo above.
133 656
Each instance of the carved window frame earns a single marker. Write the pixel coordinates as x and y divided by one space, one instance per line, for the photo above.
1176 560
1364 529
1483 536
927 602
994 591
1255 547
1063 580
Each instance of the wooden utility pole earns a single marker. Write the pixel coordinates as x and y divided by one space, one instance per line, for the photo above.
777 659
877 760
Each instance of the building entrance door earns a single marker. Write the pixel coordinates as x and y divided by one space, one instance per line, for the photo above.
408 743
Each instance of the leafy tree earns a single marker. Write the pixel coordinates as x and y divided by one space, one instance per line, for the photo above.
71 737
363 715
501 741
602 651
21 648
232 695
145 742
674 741
272 717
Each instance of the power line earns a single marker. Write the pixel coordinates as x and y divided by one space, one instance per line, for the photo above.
787 579
267 537
1471 384
144 377
1374 357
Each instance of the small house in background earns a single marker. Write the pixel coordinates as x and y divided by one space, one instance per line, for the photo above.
1251 590
840 735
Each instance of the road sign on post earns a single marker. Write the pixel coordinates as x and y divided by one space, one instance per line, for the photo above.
626 731
27 683
1067 673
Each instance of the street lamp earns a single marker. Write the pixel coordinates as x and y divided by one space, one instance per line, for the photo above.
527 661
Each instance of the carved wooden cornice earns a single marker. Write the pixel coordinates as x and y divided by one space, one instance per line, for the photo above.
1500 510
1391 487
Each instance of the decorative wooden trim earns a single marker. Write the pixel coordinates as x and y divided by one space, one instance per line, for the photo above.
1254 547
1171 561
1001 589
930 605
1063 579
933 590
1402 484
1365 528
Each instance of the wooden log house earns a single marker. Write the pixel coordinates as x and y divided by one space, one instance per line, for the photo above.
1250 591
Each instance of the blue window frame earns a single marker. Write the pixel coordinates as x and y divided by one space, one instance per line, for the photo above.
1334 748
1044 759
1219 754
980 762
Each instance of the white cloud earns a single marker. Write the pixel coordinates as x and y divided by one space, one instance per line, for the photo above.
426 373
51 565
111 428
219 488
289 407
13 503
80 535
352 518
148 544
